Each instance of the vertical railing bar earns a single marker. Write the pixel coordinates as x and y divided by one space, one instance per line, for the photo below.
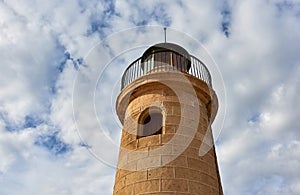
167 62
126 79
161 60
189 71
194 67
183 62
131 73
198 70
179 60
193 71
178 64
186 61
140 68
135 69
202 74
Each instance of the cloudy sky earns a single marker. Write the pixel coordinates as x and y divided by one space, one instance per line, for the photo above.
51 94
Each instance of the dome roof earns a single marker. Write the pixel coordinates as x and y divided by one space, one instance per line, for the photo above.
166 46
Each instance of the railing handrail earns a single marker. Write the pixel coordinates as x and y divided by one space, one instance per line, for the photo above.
197 69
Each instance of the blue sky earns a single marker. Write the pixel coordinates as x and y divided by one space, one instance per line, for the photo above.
47 50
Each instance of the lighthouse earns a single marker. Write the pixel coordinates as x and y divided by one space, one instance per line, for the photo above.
166 106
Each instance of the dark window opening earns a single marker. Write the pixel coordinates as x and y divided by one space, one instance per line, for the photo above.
150 123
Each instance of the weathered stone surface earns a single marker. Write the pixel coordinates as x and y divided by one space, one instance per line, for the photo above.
176 185
168 163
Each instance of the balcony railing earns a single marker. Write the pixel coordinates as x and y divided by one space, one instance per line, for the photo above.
166 61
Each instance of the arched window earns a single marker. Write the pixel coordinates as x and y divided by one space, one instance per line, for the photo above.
150 122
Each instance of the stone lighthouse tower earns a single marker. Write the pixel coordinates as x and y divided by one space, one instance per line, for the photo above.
167 106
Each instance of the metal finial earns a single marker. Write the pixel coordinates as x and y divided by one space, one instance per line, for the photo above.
165 29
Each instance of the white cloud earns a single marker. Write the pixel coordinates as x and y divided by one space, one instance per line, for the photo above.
259 64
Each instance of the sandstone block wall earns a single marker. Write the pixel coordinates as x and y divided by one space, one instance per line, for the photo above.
168 163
